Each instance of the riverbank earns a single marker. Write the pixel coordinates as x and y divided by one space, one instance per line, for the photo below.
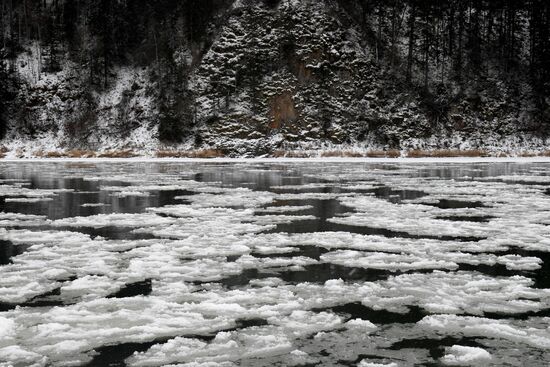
300 154
399 160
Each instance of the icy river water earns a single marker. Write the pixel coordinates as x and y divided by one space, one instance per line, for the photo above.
274 264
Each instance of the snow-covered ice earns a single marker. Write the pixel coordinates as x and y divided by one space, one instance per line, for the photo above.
459 355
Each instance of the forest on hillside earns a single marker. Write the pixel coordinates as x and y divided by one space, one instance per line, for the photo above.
448 65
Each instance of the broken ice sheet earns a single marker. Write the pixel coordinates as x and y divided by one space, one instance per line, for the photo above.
531 333
208 281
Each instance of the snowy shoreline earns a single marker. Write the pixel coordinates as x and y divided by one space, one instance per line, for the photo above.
288 160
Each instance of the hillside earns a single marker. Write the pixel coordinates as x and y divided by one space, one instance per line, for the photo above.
250 78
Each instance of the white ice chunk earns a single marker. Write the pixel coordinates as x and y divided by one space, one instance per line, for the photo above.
365 363
459 355
477 326
17 356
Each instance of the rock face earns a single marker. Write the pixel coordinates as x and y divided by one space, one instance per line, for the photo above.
294 73
265 76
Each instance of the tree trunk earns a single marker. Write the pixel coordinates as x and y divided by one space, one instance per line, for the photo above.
458 65
393 33
412 20
451 28
2 29
379 33
39 52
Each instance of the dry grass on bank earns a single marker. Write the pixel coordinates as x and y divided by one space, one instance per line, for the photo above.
79 153
545 153
342 153
446 153
336 154
73 153
528 154
202 153
394 153
415 153
216 153
118 154
53 154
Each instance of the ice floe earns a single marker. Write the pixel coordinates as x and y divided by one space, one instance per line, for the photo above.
459 355
538 337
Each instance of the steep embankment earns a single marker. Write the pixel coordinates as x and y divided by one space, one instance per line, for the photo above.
263 78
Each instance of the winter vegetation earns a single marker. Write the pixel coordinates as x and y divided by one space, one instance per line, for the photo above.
254 78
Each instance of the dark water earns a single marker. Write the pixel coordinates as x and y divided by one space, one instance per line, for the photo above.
9 250
69 204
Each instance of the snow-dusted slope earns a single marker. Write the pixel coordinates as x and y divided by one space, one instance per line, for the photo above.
296 74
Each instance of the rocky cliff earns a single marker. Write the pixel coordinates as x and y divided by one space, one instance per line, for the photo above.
253 77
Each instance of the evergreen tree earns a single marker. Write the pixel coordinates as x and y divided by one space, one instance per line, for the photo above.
5 94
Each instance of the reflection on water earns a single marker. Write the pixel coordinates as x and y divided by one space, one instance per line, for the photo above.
85 198
86 182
